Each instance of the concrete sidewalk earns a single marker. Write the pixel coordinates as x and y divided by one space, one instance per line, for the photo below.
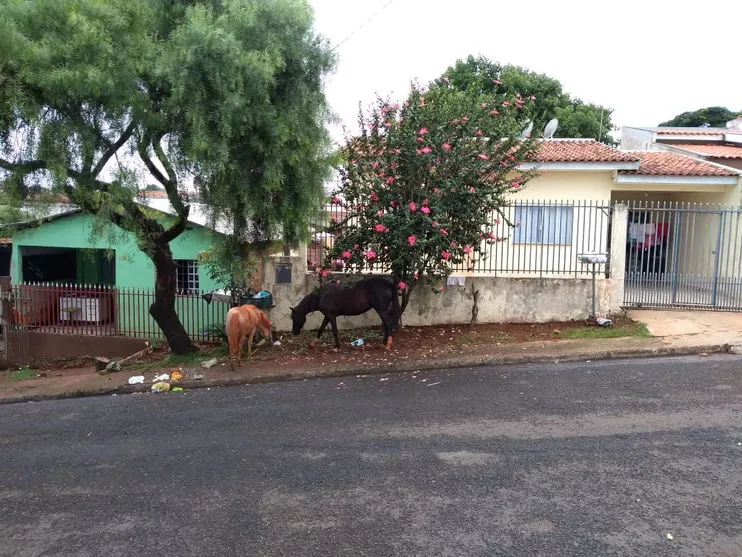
676 333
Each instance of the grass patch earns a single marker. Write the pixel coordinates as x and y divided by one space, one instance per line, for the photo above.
638 330
24 372
475 337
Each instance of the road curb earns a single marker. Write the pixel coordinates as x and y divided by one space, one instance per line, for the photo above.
656 352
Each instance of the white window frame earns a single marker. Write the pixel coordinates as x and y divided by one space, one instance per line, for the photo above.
187 277
553 224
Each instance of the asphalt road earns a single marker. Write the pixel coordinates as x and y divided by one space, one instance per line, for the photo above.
591 459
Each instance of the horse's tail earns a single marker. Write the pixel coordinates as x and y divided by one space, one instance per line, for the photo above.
396 309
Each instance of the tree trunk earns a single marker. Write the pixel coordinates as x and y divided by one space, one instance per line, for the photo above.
162 309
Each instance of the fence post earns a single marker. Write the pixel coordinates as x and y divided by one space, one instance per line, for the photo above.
619 230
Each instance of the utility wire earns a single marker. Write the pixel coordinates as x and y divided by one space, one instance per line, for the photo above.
384 7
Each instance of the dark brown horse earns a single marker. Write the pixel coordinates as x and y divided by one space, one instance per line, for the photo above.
333 300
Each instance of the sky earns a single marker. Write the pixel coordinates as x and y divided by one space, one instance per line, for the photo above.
648 60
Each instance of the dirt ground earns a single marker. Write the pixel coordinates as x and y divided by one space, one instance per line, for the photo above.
411 344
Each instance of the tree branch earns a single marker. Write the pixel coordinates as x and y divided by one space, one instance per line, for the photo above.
171 188
144 155
113 148
24 167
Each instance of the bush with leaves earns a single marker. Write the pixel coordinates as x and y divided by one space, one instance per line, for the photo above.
421 181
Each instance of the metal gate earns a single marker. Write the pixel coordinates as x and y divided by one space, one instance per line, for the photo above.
684 256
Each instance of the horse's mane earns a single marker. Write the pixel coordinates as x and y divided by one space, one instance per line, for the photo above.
309 302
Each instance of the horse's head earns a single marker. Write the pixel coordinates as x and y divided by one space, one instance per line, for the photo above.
266 328
298 319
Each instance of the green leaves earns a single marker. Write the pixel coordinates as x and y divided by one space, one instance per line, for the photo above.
479 77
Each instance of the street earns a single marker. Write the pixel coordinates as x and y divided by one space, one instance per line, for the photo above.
620 457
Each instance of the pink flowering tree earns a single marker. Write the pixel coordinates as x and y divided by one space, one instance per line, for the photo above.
420 183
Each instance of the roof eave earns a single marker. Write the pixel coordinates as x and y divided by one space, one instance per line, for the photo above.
579 166
670 179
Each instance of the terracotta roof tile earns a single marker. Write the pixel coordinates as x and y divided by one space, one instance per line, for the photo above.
716 151
690 131
663 163
580 150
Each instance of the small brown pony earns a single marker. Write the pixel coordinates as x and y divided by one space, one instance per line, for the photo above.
242 322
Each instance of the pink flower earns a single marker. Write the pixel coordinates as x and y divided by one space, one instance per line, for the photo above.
426 201
446 146
465 119
446 80
473 189
441 289
435 223
374 196
424 151
483 156
479 132
497 82
446 254
412 206
423 131
420 139
494 111
412 240
346 254
436 190
484 105
380 228
490 235
425 210
467 249
380 212
374 164
402 285
532 97
416 276
370 254
516 185
324 273
505 103
454 244
335 201
390 180
444 231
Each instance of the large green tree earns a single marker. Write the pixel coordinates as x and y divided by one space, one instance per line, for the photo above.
481 76
95 95
712 116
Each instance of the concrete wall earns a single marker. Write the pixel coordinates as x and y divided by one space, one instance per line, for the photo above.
516 300
635 139
30 346
559 185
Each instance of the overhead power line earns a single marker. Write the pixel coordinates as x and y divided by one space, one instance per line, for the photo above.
362 25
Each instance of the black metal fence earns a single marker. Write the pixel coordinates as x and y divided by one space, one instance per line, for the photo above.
544 240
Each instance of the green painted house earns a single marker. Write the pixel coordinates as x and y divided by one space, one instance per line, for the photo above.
100 278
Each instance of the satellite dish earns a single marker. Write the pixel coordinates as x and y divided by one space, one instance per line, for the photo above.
527 130
551 128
